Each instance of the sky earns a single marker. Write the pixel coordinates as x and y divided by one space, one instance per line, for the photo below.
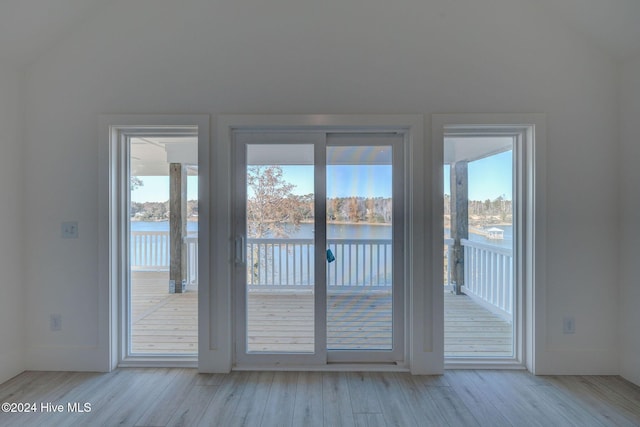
343 181
489 178
156 189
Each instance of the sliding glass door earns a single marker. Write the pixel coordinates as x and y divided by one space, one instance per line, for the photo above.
364 233
318 270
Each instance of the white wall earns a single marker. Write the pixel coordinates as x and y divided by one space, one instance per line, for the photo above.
334 56
12 303
629 224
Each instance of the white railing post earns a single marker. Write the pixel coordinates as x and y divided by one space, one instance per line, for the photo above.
448 255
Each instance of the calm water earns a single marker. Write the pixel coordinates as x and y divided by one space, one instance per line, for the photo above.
335 231
192 226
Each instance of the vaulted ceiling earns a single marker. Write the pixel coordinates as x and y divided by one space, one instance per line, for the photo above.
30 27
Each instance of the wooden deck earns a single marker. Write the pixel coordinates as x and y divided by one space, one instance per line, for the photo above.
284 322
162 322
167 323
470 330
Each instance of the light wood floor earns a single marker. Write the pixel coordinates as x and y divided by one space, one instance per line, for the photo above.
182 397
167 323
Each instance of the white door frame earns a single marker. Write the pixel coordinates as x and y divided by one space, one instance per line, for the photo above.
530 182
113 250
421 355
319 141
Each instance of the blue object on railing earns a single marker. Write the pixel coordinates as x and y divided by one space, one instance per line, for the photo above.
330 257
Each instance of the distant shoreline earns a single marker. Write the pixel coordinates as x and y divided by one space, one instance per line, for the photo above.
351 223
383 224
190 219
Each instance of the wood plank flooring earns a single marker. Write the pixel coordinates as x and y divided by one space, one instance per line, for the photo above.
182 397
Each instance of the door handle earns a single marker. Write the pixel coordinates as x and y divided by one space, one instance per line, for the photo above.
240 250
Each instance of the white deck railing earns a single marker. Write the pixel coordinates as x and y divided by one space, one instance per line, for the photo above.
280 264
150 252
488 275
366 264
360 263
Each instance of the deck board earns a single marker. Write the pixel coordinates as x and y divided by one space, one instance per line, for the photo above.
470 330
167 323
162 322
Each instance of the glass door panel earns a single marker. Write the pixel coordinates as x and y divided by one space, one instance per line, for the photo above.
479 271
279 257
161 295
318 273
359 196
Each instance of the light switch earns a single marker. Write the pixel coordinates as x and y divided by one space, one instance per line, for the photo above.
70 230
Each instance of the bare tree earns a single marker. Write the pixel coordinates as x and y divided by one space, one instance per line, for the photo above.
135 183
272 209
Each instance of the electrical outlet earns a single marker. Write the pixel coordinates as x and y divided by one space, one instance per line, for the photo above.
569 325
70 230
55 322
